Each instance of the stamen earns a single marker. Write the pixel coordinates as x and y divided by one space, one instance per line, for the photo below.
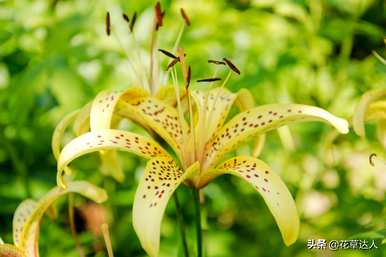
177 42
188 77
125 17
167 53
153 46
108 32
172 63
208 80
231 65
217 62
133 20
106 237
181 57
185 17
159 14
131 65
371 159
137 50
179 108
108 24
227 79
186 71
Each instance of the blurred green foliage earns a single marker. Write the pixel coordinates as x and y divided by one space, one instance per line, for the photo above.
55 57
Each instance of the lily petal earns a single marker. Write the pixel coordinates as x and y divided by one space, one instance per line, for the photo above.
381 132
101 115
57 136
29 213
59 131
167 94
244 102
274 192
7 250
376 111
82 120
361 109
160 117
260 120
107 139
161 178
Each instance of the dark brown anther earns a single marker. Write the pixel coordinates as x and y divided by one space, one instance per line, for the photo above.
209 80
133 20
231 65
172 63
188 76
371 159
125 17
168 54
108 24
217 62
185 17
159 15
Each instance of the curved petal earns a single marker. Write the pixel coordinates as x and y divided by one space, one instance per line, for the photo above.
376 111
57 136
381 132
361 109
167 94
160 117
29 213
101 115
274 192
106 139
244 102
161 177
7 250
260 120
82 120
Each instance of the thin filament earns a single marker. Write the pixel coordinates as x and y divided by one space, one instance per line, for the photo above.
106 237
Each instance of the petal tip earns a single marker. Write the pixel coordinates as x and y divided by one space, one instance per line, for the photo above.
291 237
342 126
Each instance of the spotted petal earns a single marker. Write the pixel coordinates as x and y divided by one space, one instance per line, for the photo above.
7 250
161 177
260 120
361 109
160 117
244 102
101 115
29 213
107 139
274 192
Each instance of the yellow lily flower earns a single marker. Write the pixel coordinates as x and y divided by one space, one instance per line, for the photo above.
198 144
27 218
199 152
372 108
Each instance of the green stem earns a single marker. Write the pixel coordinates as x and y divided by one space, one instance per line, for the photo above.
181 224
196 194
